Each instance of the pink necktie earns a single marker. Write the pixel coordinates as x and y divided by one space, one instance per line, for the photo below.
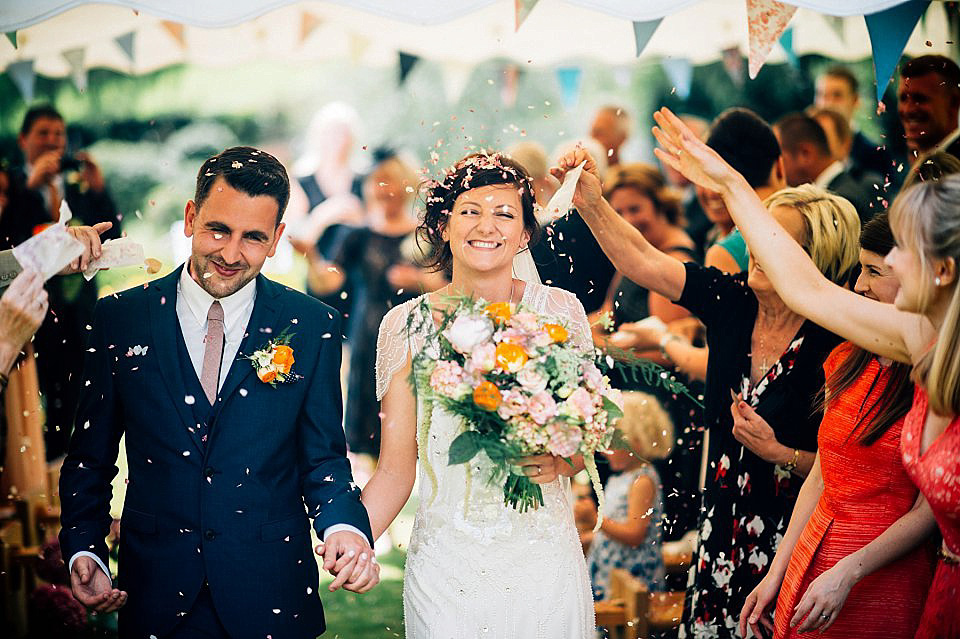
212 352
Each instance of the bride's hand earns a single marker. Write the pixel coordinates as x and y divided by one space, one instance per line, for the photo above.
688 154
540 469
589 191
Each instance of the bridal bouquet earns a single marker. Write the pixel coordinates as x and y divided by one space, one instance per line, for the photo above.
520 387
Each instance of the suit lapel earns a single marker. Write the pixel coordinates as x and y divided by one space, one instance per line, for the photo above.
164 326
260 329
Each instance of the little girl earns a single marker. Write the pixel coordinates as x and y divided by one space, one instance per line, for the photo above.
630 535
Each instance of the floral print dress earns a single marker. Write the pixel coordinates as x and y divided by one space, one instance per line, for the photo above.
747 502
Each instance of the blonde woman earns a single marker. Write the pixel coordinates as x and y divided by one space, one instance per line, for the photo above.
630 535
758 348
923 329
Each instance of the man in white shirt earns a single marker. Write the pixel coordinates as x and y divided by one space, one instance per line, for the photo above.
227 387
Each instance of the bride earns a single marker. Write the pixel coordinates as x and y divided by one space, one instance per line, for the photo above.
476 567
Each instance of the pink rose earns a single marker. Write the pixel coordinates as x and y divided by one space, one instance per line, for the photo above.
542 407
581 403
448 379
514 403
482 358
565 438
592 376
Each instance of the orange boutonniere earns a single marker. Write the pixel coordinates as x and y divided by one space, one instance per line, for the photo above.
274 362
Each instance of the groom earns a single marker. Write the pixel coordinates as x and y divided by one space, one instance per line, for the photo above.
215 536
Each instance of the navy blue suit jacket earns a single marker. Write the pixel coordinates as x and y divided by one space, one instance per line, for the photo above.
219 494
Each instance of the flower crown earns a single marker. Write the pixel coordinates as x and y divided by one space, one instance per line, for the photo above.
463 172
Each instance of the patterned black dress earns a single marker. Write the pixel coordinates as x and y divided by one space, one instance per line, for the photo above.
747 502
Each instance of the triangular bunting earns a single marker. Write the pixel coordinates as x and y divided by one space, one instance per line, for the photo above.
23 76
766 20
680 73
889 31
78 71
569 78
643 31
836 25
125 42
308 24
522 9
175 29
407 62
786 41
358 46
12 37
455 79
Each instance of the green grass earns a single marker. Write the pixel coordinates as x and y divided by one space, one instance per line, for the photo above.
377 614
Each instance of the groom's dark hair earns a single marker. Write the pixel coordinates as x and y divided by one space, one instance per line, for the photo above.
249 171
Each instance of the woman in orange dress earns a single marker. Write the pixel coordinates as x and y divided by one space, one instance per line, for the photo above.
857 490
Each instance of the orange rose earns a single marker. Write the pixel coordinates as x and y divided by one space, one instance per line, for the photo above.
283 358
499 312
510 357
487 396
267 375
556 332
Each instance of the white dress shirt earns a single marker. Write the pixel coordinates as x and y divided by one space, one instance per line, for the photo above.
193 303
827 176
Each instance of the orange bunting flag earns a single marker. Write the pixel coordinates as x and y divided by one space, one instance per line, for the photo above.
766 20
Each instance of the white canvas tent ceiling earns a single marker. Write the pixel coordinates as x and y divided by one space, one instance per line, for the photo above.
461 32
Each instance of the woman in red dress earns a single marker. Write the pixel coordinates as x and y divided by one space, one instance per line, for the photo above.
855 492
922 329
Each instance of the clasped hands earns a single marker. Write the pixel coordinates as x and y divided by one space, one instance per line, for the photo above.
753 431
350 559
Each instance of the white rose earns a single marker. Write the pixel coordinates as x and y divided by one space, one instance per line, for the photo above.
468 331
531 379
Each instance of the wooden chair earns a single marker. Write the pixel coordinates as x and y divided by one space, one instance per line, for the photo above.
632 612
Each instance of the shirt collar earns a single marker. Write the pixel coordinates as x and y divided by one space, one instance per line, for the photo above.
826 177
199 301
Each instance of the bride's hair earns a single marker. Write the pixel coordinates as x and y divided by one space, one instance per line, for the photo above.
474 171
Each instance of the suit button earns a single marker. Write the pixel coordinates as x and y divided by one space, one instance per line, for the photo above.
210 535
208 472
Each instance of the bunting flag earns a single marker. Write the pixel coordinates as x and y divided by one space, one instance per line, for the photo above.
766 20
358 46
569 78
522 9
680 73
889 31
24 77
508 89
308 24
125 42
836 25
78 72
786 41
175 29
407 62
643 31
12 37
455 79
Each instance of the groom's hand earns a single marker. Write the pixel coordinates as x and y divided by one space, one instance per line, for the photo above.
346 554
92 587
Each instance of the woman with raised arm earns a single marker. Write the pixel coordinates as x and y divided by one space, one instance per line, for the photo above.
856 499
763 354
476 566
923 328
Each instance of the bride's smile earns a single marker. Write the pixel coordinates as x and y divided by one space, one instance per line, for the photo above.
485 229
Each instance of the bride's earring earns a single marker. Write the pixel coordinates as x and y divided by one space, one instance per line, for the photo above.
936 281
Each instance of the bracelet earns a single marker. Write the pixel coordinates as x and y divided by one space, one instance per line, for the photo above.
791 465
666 339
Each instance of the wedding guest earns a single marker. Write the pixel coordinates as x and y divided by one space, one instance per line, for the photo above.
807 159
48 176
923 330
611 128
858 495
928 103
772 356
839 90
630 534
747 142
533 158
639 194
371 256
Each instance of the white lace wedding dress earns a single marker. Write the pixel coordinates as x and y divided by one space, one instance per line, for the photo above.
475 567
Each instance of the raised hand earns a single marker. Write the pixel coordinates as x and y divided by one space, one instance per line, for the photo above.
756 610
589 190
44 169
682 150
92 587
348 557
